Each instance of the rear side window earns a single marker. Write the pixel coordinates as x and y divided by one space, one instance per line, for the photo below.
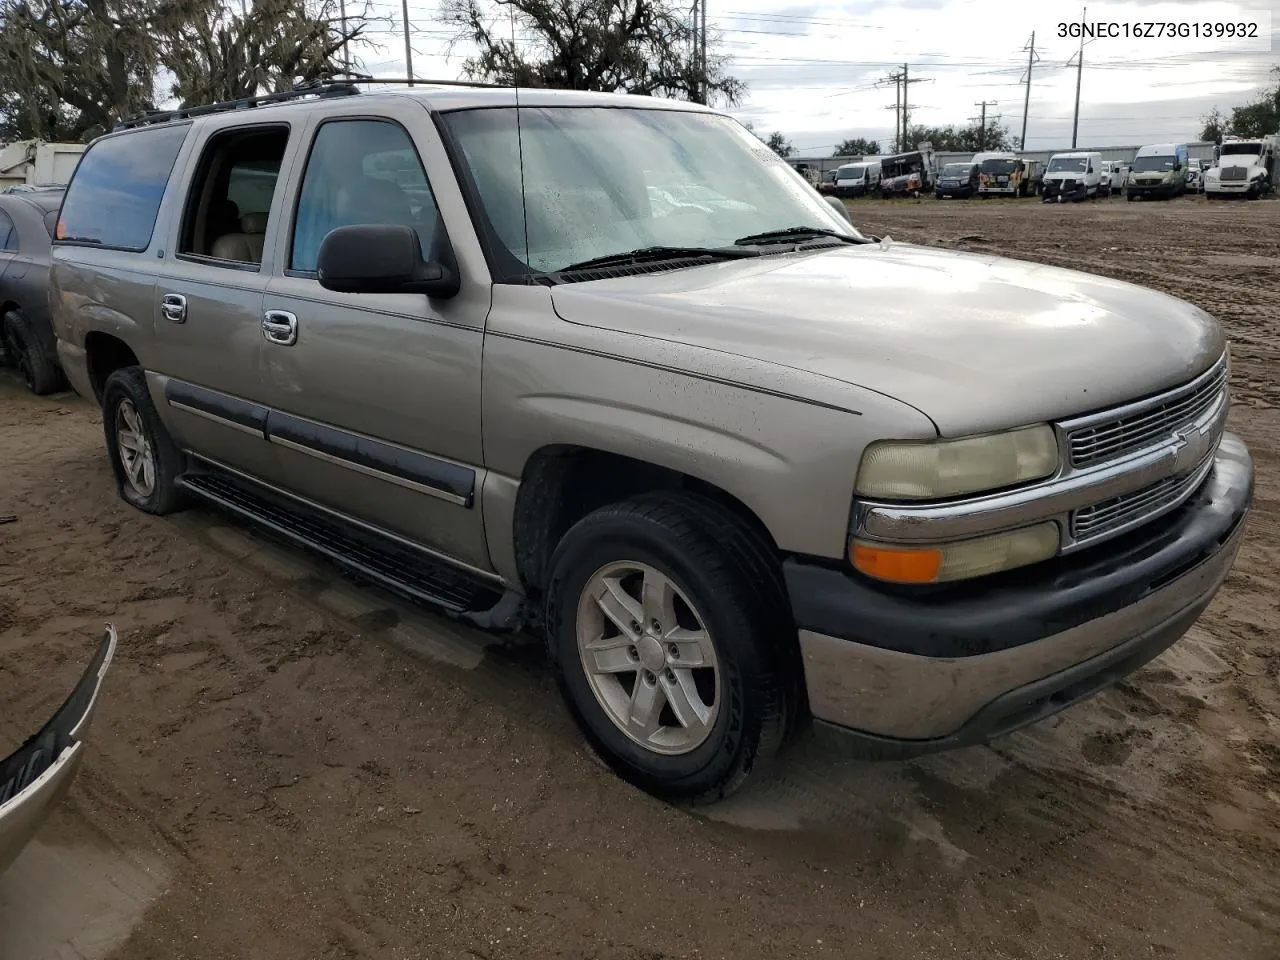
114 197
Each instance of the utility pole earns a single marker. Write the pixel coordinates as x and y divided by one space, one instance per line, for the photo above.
982 123
1079 58
902 107
702 44
408 50
696 92
1026 103
346 53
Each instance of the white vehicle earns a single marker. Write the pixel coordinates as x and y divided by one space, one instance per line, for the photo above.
1244 168
37 163
1114 175
858 179
1072 176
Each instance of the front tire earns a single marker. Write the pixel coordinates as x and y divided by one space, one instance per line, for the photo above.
144 458
671 643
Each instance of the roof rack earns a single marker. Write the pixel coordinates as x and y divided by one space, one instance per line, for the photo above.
338 85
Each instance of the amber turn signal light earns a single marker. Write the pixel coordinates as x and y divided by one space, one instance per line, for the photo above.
897 564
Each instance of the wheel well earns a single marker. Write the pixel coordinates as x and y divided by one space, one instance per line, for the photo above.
562 484
105 355
6 306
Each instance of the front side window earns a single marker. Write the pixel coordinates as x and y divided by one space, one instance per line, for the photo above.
114 196
601 181
361 172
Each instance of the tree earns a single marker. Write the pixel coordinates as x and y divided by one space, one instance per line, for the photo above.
218 54
1215 125
968 139
779 144
631 46
856 147
77 67
1256 119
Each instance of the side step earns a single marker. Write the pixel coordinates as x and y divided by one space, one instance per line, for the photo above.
411 573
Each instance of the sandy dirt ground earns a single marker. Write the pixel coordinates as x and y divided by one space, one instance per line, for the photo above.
291 767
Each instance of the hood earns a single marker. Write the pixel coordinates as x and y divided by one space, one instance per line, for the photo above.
1250 160
974 342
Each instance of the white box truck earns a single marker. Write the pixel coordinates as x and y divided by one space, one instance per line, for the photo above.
38 163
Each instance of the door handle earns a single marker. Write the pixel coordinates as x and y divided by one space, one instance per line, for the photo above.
280 327
174 307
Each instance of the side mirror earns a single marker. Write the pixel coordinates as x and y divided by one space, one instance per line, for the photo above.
381 258
839 207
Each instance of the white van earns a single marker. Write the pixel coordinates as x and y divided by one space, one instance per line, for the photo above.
858 179
1072 176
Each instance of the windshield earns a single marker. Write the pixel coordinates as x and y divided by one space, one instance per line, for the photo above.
1153 164
999 167
1067 165
603 181
1241 149
850 173
956 170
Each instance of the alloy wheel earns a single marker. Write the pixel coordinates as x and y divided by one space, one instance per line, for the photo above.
134 446
648 657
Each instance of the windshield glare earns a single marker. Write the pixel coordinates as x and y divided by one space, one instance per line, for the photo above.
602 181
1152 164
1067 165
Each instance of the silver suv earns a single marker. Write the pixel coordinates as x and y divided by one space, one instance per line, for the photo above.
606 367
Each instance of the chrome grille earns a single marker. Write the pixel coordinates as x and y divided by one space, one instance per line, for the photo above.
1234 173
1132 509
1110 439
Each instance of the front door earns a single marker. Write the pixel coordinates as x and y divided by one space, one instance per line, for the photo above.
375 398
208 306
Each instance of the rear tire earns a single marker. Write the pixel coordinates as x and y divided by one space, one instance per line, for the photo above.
725 591
40 372
143 456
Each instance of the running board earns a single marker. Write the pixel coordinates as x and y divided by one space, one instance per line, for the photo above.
397 567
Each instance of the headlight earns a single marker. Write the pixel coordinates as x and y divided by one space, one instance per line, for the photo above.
956 561
893 470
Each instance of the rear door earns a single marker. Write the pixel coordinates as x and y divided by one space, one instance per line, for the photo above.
208 299
375 398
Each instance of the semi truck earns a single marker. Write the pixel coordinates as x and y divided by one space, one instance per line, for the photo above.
1243 167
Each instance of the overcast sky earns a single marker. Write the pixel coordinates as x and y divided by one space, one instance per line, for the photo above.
813 67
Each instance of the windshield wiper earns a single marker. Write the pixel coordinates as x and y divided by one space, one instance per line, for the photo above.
655 254
795 234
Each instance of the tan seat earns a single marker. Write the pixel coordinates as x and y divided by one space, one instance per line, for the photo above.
246 246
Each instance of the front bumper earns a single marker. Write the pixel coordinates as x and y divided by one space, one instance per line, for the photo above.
964 192
1053 189
34 777
903 674
1152 189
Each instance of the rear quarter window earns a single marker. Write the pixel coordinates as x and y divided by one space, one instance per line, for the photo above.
115 194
